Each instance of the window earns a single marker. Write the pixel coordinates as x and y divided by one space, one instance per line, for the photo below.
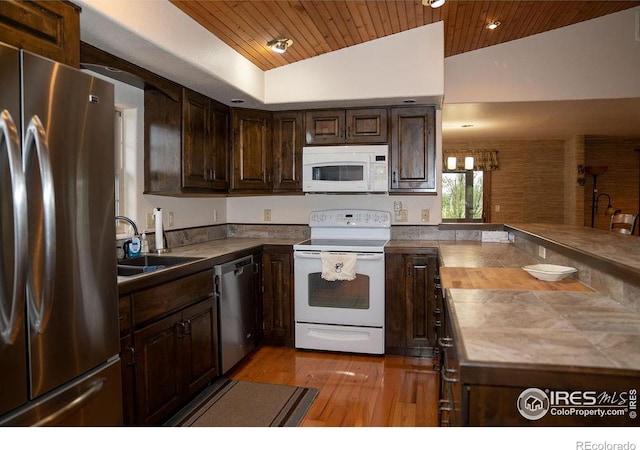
466 184
462 196
118 146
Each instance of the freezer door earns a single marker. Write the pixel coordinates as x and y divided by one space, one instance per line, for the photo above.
93 400
72 302
13 362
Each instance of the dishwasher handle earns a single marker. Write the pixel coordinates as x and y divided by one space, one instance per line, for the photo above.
236 267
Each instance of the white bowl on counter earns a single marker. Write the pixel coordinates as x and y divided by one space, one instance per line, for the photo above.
549 272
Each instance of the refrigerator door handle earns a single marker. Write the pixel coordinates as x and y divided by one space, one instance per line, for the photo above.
11 315
73 405
41 274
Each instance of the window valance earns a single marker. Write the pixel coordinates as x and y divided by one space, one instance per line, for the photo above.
482 159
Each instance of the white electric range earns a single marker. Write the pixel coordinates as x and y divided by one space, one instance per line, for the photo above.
342 315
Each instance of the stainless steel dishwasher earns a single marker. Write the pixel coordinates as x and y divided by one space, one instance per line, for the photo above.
235 285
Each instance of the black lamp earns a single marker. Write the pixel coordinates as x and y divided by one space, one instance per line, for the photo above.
610 209
595 172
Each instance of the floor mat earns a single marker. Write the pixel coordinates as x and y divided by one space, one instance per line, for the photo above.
233 403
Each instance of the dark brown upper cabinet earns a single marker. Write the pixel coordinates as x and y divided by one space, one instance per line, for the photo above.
205 125
412 166
287 143
47 28
251 150
351 126
186 144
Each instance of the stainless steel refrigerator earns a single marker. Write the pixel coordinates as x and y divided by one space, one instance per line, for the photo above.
59 338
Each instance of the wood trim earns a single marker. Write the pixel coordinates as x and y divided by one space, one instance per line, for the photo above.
92 58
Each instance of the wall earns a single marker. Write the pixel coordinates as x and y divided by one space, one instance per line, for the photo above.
573 189
570 63
188 212
400 66
529 185
620 180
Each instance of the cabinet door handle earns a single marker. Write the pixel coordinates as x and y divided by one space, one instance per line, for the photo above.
393 178
181 329
187 327
131 360
411 267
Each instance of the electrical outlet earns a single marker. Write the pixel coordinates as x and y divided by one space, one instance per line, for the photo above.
170 218
397 208
403 216
267 215
542 252
151 220
496 208
425 215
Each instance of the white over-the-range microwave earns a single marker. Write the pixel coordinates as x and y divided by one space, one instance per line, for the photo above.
345 168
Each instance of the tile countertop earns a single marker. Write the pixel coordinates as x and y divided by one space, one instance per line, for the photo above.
211 253
621 251
584 329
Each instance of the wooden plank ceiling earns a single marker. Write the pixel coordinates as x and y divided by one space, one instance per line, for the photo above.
318 27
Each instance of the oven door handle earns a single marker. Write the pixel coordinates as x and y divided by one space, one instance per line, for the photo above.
361 256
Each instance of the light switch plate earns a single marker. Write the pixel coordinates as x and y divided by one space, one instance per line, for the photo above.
151 220
425 215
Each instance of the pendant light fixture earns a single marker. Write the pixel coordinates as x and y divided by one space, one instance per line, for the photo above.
451 163
468 163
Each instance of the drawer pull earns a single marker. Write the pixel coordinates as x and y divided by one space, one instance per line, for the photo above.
448 379
445 342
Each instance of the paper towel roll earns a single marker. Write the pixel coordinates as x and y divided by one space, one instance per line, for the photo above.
157 213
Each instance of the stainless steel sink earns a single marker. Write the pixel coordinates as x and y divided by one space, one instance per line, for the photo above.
150 263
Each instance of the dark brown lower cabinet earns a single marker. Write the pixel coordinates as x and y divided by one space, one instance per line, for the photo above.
172 351
175 358
474 393
410 304
277 295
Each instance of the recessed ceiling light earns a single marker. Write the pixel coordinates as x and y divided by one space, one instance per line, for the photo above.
492 25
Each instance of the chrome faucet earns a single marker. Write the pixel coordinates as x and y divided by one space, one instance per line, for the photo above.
125 247
130 222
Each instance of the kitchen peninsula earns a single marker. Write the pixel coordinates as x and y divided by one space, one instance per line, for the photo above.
503 341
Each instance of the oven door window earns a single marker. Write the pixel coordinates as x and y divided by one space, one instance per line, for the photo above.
339 294
345 172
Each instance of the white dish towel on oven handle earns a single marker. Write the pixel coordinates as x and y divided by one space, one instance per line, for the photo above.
338 266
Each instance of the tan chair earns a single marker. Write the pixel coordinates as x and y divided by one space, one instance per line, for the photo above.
623 223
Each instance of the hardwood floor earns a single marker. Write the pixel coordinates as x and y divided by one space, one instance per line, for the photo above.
354 390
